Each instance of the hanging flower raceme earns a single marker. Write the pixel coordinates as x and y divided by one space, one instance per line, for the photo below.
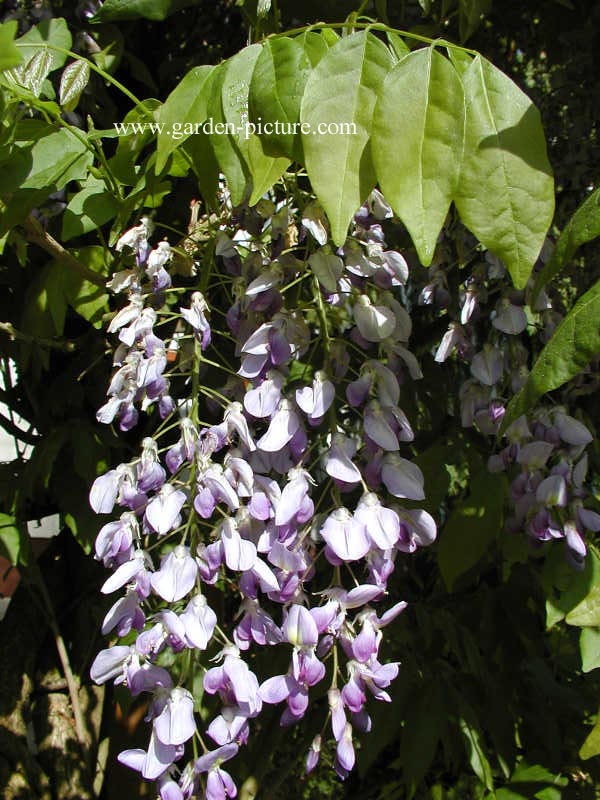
239 486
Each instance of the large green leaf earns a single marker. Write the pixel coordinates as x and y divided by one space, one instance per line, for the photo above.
225 145
241 157
584 226
51 162
342 91
591 746
183 108
417 142
276 90
36 170
506 191
9 53
156 10
575 342
472 527
53 32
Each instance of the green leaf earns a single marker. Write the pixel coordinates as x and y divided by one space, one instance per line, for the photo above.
90 208
35 72
506 190
276 90
587 613
204 165
589 647
53 161
35 171
470 13
398 45
472 527
584 226
565 588
11 539
532 781
239 155
342 91
330 36
477 758
591 746
156 10
315 45
224 145
111 42
53 32
72 83
575 342
265 169
183 108
417 142
9 53
89 300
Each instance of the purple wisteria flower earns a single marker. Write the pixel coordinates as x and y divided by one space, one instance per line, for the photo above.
240 493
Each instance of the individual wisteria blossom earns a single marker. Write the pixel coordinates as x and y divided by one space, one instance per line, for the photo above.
266 509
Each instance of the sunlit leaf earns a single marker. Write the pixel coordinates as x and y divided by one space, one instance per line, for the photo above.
340 96
417 143
184 108
506 191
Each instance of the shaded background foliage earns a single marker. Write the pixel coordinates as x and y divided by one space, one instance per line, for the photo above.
485 690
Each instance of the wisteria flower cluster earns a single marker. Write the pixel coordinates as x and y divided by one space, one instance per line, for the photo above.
278 476
543 452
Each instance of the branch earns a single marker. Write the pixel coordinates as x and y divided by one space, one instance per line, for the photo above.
14 334
18 433
36 234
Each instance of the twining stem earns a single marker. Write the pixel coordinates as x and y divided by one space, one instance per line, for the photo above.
35 233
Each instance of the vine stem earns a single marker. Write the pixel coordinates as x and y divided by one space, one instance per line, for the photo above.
63 655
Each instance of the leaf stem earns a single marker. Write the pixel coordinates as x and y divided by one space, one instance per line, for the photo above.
376 26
